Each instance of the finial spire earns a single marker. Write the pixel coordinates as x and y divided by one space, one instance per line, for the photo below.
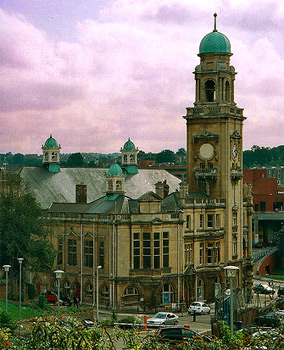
215 22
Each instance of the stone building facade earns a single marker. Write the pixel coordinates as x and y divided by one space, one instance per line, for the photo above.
157 240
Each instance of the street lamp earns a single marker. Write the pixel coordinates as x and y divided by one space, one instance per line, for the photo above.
98 268
6 268
58 274
20 260
231 274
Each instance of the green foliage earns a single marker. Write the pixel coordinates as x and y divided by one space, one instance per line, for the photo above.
129 319
6 321
75 160
42 302
31 290
166 156
114 315
22 232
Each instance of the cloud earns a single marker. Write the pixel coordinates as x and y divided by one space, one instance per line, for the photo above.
129 74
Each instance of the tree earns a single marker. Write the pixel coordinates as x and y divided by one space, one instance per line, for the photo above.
166 156
22 230
75 160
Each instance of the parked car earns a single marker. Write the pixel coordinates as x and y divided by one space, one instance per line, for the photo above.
199 308
51 297
163 318
179 333
272 319
263 289
280 292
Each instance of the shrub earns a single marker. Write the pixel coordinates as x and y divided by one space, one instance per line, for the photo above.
31 290
6 321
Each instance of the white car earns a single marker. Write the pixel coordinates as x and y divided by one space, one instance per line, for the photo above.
163 318
199 308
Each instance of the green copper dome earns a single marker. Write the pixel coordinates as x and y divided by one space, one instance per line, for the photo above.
50 142
215 42
129 145
115 169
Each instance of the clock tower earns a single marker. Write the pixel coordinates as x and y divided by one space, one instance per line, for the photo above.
215 146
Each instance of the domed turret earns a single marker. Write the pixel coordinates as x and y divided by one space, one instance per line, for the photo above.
51 155
50 142
129 157
115 181
129 145
115 169
215 42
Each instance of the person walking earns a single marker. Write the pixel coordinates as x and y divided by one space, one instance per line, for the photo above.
76 301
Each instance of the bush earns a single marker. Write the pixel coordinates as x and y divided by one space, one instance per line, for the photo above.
31 290
42 302
6 321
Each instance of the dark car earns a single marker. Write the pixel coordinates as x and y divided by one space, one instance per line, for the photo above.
51 297
272 319
263 289
179 333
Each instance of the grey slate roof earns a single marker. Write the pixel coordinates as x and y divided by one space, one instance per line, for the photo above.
60 187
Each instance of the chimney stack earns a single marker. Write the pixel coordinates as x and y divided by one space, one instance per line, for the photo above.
162 189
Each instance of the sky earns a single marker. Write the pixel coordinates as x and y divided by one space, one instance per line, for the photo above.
95 72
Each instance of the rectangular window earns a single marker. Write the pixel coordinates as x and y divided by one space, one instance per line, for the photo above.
235 218
217 253
88 251
210 220
102 254
188 222
217 220
156 250
235 246
202 165
136 251
165 249
60 252
146 251
201 220
201 254
72 252
262 206
210 253
188 254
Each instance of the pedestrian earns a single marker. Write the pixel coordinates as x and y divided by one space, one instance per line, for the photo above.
76 301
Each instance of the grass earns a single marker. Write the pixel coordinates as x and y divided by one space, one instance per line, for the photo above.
27 311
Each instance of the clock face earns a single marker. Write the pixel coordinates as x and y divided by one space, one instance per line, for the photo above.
206 151
234 151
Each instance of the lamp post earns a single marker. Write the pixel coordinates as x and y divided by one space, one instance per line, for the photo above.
58 274
6 268
231 274
98 268
20 260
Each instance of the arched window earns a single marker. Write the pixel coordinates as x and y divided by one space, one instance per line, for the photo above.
89 289
210 90
227 91
118 185
110 185
54 156
167 294
132 158
105 292
46 156
66 287
125 158
131 290
200 290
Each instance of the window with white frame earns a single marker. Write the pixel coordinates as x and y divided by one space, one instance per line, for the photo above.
210 220
201 254
188 223
201 220
131 290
